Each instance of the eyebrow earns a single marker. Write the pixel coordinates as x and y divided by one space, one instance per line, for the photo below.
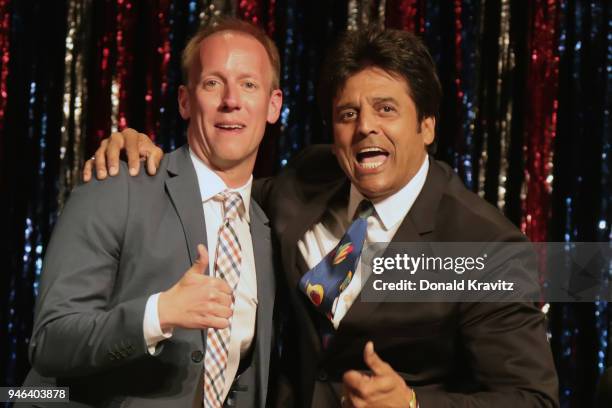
344 106
253 75
375 100
384 99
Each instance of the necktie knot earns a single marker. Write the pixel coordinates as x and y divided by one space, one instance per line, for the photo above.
364 209
232 202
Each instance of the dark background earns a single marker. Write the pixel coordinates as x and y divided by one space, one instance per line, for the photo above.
525 120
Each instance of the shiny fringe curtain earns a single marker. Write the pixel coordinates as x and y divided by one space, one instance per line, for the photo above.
525 120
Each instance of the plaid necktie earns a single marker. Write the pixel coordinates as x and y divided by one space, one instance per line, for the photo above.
227 267
324 283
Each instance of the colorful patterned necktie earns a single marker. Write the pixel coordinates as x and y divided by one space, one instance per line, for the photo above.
324 283
227 267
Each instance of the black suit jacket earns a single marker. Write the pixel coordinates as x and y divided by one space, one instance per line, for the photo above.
452 354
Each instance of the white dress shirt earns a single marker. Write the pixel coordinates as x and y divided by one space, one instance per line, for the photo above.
384 222
245 306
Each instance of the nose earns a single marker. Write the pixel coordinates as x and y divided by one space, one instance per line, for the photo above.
367 123
231 98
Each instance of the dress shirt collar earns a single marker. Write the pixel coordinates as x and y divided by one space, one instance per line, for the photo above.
211 184
393 209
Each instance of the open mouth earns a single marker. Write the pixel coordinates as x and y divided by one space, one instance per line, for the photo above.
230 126
371 157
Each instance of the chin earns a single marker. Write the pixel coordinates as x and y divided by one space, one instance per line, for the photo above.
231 157
371 190
228 161
233 151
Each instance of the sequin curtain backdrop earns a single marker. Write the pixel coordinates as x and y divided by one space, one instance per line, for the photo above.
6 278
303 32
74 110
123 75
482 49
541 126
5 27
103 60
581 186
31 141
158 63
182 19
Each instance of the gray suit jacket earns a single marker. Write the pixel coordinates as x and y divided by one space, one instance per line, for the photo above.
117 242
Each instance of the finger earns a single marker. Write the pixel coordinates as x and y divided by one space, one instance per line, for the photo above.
353 381
345 400
382 384
365 386
153 160
113 150
201 262
221 298
377 387
225 299
100 160
373 361
222 286
354 401
352 398
87 168
148 150
131 150
217 310
214 322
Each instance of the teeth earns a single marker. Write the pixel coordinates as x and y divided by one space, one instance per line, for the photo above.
230 126
371 165
371 149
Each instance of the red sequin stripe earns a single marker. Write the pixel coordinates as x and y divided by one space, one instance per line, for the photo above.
250 10
542 83
157 67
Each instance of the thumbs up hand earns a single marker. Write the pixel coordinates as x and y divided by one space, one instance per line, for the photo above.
196 301
383 388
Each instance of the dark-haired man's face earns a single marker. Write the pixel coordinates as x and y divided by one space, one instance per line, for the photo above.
378 139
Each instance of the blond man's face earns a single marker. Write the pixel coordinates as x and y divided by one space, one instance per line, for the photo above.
229 101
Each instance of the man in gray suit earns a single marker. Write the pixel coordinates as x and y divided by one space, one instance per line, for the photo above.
128 313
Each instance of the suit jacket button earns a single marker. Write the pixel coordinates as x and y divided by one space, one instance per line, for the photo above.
197 356
231 399
322 375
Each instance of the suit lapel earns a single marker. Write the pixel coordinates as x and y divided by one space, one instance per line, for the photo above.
311 214
416 227
183 189
293 261
262 250
425 208
309 314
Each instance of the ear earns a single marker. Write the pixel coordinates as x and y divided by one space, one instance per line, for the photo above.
183 101
274 106
428 130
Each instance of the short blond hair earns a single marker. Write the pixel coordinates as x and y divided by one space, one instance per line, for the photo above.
191 52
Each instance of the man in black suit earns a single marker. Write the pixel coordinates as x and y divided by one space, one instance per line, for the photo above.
380 93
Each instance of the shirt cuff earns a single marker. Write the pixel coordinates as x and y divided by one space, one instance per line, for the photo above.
151 328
